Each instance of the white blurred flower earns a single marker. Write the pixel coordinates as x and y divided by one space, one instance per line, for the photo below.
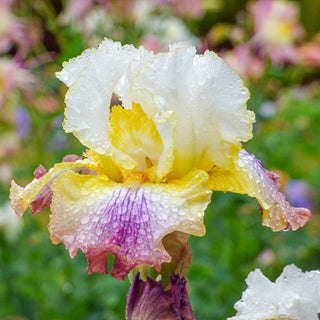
268 109
10 223
295 295
169 29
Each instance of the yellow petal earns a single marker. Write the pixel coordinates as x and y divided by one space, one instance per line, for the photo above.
249 177
112 171
22 198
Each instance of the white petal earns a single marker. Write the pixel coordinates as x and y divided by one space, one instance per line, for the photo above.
208 98
93 78
73 69
294 295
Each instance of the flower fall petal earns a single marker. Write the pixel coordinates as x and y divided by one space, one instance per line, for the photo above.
249 177
99 216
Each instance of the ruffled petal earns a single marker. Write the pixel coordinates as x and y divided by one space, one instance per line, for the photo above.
208 99
37 193
92 78
249 177
294 295
129 220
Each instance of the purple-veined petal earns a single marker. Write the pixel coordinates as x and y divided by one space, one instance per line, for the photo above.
99 216
147 300
249 177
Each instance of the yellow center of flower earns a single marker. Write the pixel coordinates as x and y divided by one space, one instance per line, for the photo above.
134 134
135 179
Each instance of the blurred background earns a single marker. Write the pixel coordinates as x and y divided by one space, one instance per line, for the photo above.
275 47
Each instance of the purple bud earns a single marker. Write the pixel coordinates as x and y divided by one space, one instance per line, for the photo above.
149 301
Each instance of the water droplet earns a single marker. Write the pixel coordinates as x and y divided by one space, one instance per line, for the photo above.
202 79
85 219
155 197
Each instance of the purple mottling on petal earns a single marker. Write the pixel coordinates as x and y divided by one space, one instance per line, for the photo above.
43 199
275 177
23 122
71 158
40 171
149 301
74 158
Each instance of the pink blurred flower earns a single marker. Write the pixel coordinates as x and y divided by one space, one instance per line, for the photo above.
77 9
9 144
11 29
277 28
183 8
309 54
151 42
266 257
248 65
48 103
10 224
5 172
164 30
13 76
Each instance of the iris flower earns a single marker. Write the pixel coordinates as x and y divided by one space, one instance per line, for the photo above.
153 161
295 295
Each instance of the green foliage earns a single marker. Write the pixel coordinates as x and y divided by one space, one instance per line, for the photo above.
40 281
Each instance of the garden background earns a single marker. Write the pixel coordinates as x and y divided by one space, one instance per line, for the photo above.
279 64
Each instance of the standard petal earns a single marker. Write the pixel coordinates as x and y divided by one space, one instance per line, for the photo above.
92 78
249 177
37 193
129 220
208 99
75 67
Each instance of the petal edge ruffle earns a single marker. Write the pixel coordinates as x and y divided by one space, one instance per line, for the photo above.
249 177
99 217
23 197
